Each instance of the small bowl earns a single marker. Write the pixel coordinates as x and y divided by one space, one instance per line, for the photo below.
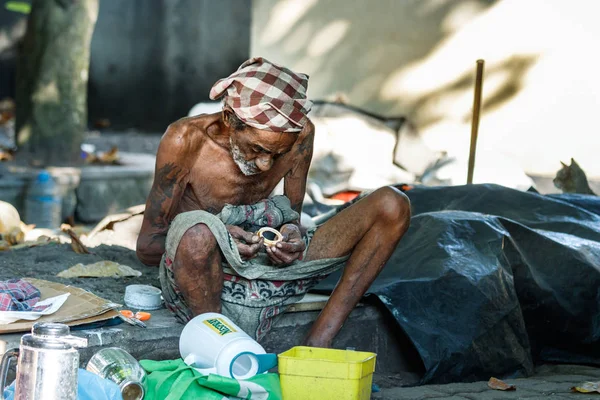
143 297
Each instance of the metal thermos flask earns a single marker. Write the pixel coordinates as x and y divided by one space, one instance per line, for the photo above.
47 364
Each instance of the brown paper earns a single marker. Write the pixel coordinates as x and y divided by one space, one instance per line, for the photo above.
81 307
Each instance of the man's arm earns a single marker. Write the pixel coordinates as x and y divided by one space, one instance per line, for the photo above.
170 180
294 183
294 187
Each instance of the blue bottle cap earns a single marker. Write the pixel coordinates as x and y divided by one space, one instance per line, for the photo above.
43 177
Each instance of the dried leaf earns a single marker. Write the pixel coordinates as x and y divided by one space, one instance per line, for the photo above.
102 123
587 387
90 158
100 269
41 241
110 157
14 236
5 156
497 384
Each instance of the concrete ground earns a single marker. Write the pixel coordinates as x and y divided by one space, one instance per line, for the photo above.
549 381
369 328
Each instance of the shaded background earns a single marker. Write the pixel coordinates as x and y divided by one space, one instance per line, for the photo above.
152 61
541 90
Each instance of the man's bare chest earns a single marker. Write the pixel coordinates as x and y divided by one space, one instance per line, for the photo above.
216 181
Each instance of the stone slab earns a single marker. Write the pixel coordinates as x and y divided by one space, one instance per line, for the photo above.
89 192
365 330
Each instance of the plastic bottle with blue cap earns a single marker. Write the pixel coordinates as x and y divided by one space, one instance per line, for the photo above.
43 203
213 344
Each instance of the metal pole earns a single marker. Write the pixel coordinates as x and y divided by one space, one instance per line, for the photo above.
475 122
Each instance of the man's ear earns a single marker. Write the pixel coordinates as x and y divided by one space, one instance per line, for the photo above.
226 113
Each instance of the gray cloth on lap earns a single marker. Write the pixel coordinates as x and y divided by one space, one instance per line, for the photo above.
272 212
257 268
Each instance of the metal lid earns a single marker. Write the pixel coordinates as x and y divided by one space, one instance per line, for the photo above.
52 336
50 329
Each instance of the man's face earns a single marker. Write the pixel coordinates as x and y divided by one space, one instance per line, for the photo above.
254 150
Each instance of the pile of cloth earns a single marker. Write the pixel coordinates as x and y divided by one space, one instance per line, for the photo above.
19 295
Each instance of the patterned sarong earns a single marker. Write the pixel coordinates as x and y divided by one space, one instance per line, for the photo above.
254 291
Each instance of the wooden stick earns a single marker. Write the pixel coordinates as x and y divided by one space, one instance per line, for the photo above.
475 122
76 244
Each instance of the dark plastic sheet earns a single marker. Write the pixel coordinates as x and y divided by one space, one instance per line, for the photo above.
490 280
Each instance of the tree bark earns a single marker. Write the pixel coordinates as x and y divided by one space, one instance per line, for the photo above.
52 78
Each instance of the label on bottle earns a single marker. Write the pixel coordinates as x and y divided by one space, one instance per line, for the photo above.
219 326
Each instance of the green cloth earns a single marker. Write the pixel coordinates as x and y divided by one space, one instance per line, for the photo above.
174 380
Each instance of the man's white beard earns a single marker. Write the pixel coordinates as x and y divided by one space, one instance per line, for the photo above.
247 167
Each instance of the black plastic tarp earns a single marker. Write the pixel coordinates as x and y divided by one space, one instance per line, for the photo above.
489 280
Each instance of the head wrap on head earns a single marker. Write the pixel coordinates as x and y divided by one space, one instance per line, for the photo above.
266 96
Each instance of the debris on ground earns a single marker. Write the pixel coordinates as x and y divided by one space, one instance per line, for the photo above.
12 230
76 244
40 241
100 269
14 236
110 157
102 123
117 229
9 217
587 387
497 384
6 155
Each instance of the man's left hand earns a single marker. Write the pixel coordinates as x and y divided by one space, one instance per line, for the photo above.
290 248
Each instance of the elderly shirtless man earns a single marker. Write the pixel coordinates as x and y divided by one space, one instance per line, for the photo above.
214 176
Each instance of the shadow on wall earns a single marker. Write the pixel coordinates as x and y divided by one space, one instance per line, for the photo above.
512 72
417 59
355 48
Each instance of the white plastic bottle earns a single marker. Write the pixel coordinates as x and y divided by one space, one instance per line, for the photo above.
43 204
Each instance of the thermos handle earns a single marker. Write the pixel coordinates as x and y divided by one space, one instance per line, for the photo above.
266 362
11 353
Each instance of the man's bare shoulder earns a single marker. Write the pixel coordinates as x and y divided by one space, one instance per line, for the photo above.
187 134
307 131
304 143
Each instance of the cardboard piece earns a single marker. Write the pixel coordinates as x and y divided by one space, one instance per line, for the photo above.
81 307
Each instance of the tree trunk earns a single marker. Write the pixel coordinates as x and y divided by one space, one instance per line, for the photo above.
52 78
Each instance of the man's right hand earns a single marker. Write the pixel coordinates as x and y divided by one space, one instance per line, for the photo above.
248 243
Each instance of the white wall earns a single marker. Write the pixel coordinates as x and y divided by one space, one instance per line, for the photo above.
417 58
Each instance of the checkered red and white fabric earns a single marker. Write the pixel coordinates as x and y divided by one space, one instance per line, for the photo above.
266 96
19 295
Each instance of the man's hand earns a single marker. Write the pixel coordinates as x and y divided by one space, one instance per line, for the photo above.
248 243
290 248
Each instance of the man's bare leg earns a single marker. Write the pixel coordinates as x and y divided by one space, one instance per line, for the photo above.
370 230
198 271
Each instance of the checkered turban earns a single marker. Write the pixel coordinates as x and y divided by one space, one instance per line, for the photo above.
266 96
